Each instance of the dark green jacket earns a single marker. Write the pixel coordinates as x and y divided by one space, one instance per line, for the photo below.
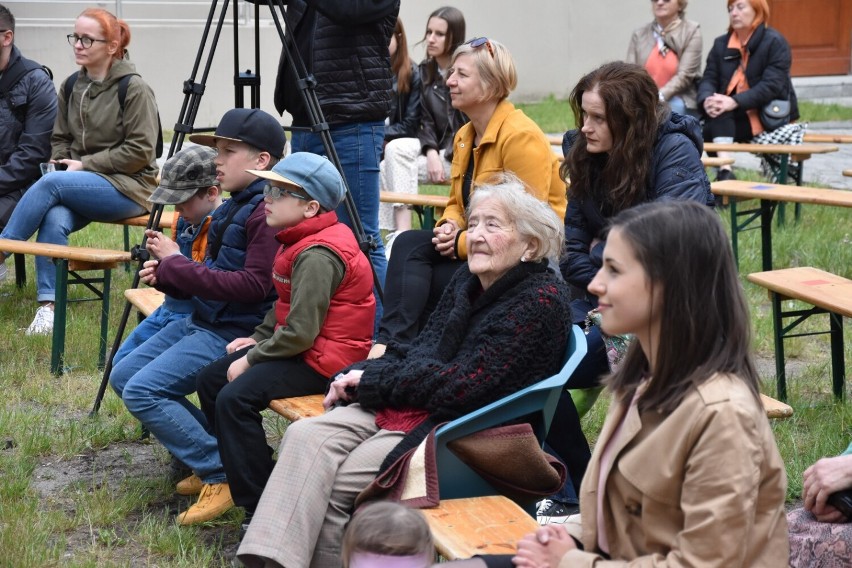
119 146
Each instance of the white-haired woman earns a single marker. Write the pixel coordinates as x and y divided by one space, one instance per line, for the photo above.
502 324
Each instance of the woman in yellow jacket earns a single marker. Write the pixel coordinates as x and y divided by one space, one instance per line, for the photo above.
499 138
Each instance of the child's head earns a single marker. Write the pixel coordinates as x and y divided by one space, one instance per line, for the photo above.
246 139
188 181
669 278
385 529
301 186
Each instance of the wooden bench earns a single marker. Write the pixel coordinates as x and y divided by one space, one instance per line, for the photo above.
69 261
146 300
828 294
824 138
847 173
770 195
430 206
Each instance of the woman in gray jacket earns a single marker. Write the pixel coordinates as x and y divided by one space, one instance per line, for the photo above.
669 48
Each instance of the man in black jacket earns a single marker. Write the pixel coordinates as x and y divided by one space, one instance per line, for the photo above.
27 112
344 44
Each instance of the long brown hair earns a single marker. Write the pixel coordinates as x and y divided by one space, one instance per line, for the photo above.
400 60
704 320
113 28
634 114
455 36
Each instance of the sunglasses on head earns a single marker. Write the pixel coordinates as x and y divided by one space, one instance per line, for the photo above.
275 192
479 42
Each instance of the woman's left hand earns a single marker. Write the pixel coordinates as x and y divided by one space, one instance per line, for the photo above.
337 390
73 165
445 238
544 548
717 104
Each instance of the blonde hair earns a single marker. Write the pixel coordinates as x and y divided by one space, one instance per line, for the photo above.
387 528
495 65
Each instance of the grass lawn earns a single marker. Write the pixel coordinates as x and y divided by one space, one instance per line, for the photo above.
80 491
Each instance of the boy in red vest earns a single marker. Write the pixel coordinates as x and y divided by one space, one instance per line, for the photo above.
322 322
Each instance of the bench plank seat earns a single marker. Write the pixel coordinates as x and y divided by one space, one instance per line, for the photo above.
478 525
432 205
828 293
825 138
298 407
847 173
146 300
68 261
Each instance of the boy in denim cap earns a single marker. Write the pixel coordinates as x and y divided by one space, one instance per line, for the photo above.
188 181
230 291
321 323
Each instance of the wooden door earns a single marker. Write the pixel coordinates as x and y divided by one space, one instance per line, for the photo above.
819 32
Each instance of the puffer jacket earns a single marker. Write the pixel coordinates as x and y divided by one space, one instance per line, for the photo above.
676 173
118 146
439 120
27 114
344 45
404 115
768 71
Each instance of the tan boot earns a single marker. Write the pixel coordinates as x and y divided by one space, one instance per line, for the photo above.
214 500
189 486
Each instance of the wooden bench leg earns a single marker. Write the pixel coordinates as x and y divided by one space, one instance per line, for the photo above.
60 306
20 270
838 366
778 331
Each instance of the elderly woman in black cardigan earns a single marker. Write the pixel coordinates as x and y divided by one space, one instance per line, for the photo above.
501 325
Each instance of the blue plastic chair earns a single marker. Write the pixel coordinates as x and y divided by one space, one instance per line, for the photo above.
538 401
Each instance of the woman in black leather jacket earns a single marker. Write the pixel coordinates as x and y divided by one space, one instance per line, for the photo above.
427 155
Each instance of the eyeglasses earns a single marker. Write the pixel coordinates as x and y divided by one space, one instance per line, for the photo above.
479 42
275 192
86 42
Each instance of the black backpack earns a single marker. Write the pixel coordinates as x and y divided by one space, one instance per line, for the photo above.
122 96
11 77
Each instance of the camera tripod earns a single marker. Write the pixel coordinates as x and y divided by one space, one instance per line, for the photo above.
193 91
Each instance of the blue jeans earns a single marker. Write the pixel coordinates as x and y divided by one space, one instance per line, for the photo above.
146 329
359 147
154 380
59 204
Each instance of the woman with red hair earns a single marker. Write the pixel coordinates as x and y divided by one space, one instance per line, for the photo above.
746 69
103 150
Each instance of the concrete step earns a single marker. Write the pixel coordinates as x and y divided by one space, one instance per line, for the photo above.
827 89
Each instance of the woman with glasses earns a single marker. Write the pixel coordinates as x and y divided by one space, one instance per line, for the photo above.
669 48
501 325
103 151
424 154
498 138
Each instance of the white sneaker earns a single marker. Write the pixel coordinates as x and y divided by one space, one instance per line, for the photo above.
42 323
3 272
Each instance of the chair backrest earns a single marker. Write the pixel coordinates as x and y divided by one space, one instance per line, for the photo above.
538 402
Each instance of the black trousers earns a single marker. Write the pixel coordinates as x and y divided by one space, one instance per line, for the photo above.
233 414
416 278
734 124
